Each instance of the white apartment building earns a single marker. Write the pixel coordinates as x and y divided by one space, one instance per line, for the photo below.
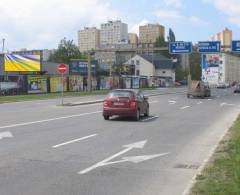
88 39
114 32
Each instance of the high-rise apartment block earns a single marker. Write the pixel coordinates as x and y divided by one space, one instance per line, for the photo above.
150 32
113 32
133 38
88 39
225 37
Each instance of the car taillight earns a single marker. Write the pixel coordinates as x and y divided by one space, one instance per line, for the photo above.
133 104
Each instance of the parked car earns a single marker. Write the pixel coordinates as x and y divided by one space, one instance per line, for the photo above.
125 102
237 88
198 89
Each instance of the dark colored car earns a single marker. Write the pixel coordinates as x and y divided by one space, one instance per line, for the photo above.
237 89
125 102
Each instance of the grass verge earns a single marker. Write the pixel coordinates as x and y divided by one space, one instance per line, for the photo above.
222 174
18 98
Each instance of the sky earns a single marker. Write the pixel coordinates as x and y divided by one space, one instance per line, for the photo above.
41 24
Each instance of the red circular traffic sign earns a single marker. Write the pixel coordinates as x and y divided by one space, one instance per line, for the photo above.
62 68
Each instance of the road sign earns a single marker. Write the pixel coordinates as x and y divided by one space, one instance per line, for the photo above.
62 68
180 47
209 47
235 46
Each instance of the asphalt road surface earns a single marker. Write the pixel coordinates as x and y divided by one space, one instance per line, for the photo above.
52 150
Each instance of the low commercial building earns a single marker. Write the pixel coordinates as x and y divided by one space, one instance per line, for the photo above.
220 68
159 69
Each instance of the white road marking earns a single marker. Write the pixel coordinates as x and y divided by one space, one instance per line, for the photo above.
6 134
48 120
129 147
185 107
73 141
171 102
150 118
226 104
199 103
152 102
209 99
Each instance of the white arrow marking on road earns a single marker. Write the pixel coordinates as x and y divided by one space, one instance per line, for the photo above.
226 104
73 141
6 134
129 147
172 102
136 159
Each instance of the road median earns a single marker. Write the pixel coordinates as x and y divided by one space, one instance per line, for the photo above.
221 176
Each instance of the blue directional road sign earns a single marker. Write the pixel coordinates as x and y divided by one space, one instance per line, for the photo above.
209 47
180 47
235 46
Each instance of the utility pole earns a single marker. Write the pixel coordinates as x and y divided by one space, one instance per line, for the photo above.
3 45
89 73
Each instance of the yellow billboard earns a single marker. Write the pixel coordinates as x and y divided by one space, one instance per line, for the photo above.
22 63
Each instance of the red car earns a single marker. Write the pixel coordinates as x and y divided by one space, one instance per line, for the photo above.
125 102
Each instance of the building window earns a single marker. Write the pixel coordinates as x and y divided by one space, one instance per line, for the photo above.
132 62
163 72
137 62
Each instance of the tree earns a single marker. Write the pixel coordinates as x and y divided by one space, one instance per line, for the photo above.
195 61
160 42
66 51
171 36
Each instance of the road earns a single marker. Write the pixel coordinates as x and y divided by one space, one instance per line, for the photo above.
53 150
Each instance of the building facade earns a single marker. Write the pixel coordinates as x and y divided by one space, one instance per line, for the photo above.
132 38
114 32
88 39
150 32
225 37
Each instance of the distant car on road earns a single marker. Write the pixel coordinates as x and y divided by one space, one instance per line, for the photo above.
125 102
237 89
198 89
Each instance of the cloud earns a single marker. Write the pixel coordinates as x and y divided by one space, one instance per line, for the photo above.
175 3
42 23
197 21
231 8
168 14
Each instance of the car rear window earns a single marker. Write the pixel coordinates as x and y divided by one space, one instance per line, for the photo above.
120 94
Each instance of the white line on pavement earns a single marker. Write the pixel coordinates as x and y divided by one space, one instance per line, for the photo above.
209 99
184 107
48 120
171 102
73 141
6 134
152 102
148 119
199 103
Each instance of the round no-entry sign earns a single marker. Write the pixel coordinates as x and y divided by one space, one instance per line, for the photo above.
62 68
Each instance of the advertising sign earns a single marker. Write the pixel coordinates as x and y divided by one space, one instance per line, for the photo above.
56 84
22 63
180 47
209 47
37 85
75 83
210 68
81 67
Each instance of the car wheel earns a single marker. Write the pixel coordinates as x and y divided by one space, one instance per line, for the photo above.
188 96
137 117
106 117
147 112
